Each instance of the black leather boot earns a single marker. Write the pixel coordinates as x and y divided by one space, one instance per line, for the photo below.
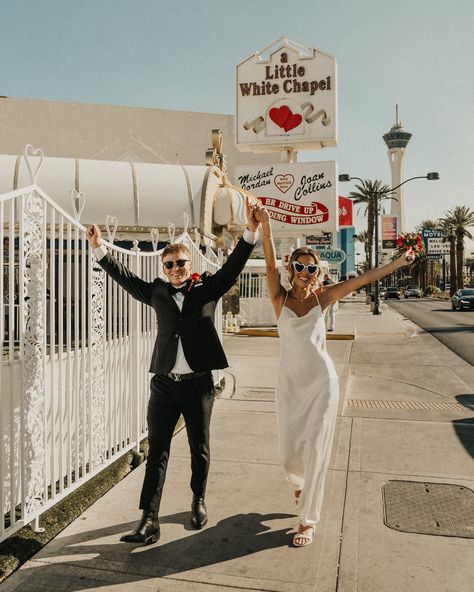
148 529
199 512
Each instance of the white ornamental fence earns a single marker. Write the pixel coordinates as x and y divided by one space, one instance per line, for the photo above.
76 349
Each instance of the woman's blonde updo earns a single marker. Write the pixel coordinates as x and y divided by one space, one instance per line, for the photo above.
294 257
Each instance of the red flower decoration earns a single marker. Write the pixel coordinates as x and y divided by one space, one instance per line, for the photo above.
410 240
195 277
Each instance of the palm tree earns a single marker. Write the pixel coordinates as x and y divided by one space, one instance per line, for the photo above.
421 266
470 268
445 225
371 194
461 218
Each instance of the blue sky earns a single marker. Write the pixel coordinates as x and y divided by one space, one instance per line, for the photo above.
181 55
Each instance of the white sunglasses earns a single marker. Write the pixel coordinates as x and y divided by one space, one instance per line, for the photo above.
299 267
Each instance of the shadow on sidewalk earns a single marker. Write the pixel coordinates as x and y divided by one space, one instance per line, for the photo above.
464 428
450 329
231 538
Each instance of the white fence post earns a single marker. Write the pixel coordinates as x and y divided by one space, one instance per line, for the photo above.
136 367
32 300
97 365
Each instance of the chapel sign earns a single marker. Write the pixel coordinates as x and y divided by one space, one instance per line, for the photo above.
286 97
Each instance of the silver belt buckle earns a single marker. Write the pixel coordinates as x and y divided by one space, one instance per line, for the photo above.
176 377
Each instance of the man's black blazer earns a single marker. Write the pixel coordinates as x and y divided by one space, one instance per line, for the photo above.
195 322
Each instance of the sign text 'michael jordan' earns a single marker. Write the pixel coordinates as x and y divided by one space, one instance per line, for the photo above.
290 74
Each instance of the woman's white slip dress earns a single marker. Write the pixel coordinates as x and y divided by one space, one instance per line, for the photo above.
306 401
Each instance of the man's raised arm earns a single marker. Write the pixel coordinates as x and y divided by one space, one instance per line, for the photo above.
130 282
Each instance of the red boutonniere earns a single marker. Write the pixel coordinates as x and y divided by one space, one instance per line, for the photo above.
195 277
410 240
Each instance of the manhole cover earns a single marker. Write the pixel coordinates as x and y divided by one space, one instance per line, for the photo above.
415 405
429 508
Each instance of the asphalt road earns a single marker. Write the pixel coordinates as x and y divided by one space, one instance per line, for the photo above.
453 328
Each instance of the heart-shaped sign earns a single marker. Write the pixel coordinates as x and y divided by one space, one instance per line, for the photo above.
171 231
279 115
30 151
293 120
284 182
111 225
78 202
285 118
155 237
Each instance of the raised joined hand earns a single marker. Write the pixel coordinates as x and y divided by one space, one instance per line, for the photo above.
253 223
94 236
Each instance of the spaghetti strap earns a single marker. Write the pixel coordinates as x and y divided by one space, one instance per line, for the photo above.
286 298
317 299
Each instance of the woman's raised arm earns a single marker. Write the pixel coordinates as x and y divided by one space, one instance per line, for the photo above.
276 291
337 291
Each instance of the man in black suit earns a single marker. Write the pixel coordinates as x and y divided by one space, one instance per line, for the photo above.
187 348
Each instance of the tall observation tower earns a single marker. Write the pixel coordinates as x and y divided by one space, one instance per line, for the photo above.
397 139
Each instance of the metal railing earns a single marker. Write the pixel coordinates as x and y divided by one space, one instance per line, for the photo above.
75 354
253 285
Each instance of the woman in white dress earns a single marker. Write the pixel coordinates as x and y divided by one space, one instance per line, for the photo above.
307 390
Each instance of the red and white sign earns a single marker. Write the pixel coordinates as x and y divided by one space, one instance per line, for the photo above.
286 96
345 211
301 198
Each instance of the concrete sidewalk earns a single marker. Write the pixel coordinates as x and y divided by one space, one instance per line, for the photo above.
405 414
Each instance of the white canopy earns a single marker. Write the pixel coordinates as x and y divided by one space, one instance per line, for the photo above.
138 194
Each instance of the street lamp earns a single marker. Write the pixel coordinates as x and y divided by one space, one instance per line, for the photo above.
344 178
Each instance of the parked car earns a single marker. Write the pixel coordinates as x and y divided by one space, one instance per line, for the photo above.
393 292
382 291
412 292
463 298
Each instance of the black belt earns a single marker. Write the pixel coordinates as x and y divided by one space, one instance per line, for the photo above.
188 376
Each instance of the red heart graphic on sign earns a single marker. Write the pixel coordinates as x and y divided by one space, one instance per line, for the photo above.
280 115
292 122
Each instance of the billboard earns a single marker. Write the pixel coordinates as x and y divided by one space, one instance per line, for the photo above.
286 96
389 232
301 198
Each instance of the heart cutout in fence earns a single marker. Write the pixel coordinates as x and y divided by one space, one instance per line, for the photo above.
284 182
111 225
78 200
185 222
155 237
197 238
171 231
31 151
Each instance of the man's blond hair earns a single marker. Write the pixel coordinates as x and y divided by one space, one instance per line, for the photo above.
174 248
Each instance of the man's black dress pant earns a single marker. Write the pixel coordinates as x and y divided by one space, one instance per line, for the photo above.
169 399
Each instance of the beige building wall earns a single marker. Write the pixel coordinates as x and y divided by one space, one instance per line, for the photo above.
108 132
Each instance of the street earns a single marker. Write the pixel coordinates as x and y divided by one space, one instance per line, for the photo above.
453 328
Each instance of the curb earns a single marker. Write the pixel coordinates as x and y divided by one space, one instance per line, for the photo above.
274 333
